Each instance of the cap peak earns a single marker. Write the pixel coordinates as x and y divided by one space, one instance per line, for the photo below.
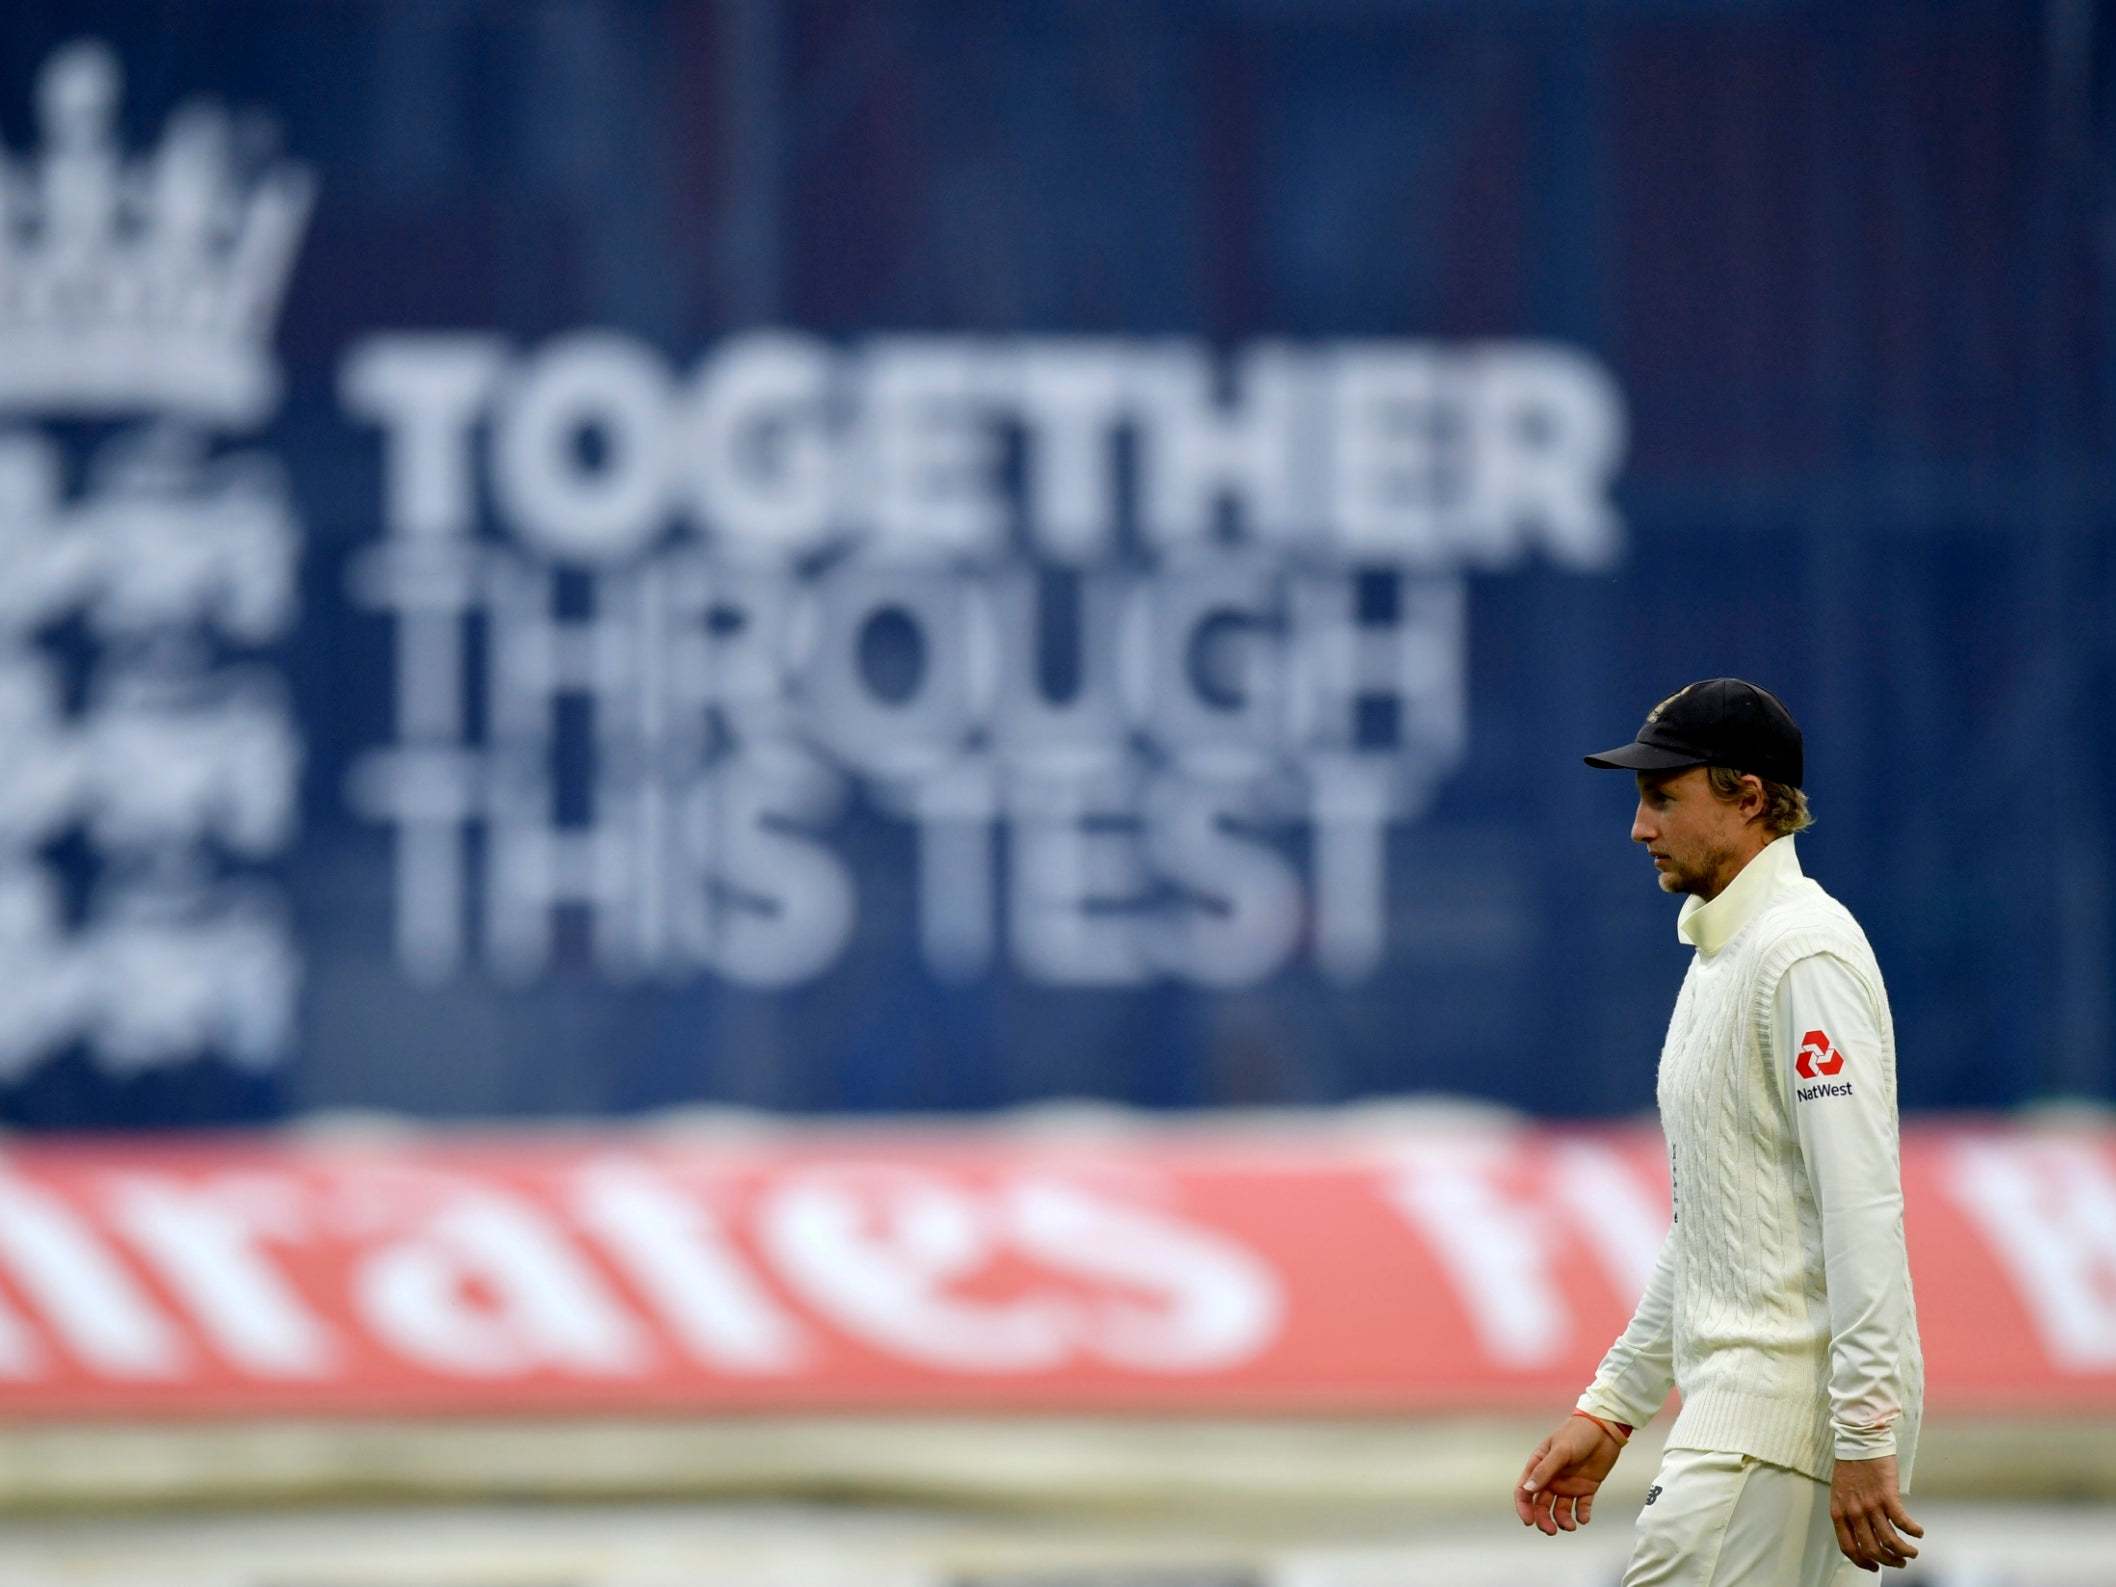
1715 722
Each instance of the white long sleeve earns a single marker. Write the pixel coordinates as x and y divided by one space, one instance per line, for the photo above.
1635 1376
1843 1108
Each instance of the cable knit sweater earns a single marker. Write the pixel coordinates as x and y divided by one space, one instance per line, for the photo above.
1781 1303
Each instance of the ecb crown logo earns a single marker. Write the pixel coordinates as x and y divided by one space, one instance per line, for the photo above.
1817 1056
141 282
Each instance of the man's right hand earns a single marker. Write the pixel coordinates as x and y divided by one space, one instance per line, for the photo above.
1557 1486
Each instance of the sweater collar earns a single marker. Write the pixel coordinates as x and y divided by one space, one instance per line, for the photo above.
1708 927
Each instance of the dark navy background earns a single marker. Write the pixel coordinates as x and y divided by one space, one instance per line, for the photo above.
1848 265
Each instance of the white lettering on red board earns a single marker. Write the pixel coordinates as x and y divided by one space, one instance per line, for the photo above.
677 1251
1606 1202
1499 1245
2047 1208
487 1285
1221 1304
467 1277
123 1272
95 1308
208 1242
878 1248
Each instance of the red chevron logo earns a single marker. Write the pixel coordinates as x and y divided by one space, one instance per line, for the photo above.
1818 1056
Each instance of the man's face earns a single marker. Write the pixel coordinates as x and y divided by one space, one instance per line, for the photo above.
1698 840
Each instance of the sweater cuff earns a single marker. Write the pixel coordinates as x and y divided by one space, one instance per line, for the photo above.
1865 1443
1597 1401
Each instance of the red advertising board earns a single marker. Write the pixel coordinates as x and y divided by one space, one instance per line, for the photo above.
975 1270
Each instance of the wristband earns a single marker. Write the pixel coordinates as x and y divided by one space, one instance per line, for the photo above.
1616 1430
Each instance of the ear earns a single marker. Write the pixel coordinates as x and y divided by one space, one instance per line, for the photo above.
1752 798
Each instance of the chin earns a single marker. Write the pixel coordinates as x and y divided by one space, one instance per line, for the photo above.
1670 882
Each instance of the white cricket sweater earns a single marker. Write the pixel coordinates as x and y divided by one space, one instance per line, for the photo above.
1781 1302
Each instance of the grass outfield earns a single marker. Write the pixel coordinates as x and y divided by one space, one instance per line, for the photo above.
732 1545
1245 1475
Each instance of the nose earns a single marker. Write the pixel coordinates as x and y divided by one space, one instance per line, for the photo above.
1643 828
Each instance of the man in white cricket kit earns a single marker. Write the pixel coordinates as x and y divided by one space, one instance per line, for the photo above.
1781 1302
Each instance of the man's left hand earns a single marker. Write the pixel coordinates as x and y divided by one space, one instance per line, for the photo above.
1869 1514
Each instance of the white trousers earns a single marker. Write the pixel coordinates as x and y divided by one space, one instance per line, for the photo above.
1719 1520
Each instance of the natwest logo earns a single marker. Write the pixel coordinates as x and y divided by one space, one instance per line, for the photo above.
1817 1056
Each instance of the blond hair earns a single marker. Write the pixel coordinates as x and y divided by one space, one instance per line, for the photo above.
1784 808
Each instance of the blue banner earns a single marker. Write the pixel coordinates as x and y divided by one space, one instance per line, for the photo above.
569 560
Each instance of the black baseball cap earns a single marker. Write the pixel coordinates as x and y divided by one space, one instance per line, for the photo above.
1717 722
